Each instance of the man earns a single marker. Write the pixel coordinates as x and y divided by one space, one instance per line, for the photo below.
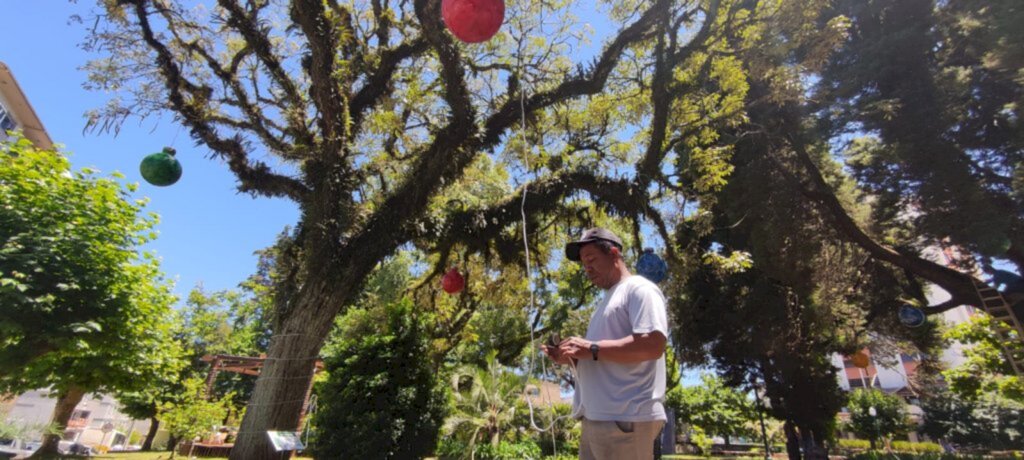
620 364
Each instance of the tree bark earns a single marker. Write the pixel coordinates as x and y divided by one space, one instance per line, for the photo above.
792 441
172 444
154 427
278 397
811 441
66 403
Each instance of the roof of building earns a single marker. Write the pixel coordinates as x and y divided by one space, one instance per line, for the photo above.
17 104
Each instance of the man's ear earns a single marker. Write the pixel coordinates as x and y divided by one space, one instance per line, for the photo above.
617 252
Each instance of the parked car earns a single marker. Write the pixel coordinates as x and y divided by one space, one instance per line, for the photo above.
74 448
17 448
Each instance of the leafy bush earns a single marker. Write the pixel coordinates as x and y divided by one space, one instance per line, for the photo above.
561 457
509 451
916 447
702 441
382 398
854 444
558 422
877 455
452 449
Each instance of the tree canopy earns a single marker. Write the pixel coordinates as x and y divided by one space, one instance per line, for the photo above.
84 310
803 154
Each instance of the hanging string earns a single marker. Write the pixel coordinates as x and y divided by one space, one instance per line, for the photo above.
525 150
174 139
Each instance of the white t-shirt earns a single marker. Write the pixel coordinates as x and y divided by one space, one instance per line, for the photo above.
607 391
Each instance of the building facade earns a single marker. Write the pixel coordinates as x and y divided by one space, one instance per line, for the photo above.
17 114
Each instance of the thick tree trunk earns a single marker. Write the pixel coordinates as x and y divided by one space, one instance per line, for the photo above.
154 427
814 448
792 441
66 403
277 400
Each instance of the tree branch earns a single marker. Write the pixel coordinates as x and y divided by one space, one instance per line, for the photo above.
959 285
258 39
661 99
511 111
323 37
254 178
379 83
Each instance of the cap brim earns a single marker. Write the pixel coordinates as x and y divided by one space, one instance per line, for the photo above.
572 250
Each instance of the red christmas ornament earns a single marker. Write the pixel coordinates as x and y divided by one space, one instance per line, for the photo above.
453 281
473 21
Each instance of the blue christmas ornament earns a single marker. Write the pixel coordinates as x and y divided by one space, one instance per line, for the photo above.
651 266
911 316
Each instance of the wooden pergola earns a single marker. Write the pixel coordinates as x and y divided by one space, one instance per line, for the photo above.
251 366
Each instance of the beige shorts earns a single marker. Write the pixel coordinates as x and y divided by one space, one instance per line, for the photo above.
619 440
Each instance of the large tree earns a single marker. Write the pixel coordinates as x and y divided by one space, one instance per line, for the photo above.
930 92
83 311
374 114
380 125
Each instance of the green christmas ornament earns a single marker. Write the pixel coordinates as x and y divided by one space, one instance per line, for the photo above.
161 169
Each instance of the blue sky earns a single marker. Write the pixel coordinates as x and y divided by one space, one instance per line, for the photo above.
208 231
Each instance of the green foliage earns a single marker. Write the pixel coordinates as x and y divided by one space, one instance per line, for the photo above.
484 404
854 443
878 455
562 431
890 419
382 398
986 422
701 440
193 415
82 306
453 449
935 85
985 369
916 447
715 408
13 429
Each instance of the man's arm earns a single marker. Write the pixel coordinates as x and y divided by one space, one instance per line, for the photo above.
630 349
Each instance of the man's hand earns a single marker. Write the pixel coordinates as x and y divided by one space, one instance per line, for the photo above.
576 347
555 354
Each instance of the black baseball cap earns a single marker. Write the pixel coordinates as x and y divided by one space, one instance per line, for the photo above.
592 235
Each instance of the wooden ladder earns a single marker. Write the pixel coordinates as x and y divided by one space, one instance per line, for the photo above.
1008 326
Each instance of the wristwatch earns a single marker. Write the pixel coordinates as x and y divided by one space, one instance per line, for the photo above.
594 349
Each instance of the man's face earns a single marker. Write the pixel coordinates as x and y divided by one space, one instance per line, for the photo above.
600 267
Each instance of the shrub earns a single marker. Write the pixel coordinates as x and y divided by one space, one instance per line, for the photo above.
877 455
382 398
917 447
854 444
452 449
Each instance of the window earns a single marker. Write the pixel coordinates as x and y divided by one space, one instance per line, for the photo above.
7 122
81 414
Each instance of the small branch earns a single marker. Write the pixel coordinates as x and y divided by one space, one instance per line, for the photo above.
255 178
379 83
258 39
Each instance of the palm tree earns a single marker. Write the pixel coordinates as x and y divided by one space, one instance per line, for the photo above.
485 402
